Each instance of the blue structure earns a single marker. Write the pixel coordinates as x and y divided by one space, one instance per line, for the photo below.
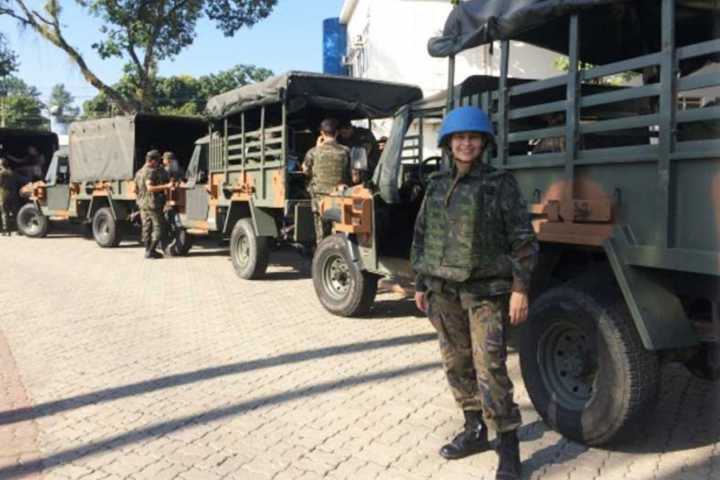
334 46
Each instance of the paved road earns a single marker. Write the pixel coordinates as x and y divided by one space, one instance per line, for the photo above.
112 367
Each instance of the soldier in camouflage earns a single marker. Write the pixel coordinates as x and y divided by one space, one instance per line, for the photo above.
327 167
151 181
474 251
6 185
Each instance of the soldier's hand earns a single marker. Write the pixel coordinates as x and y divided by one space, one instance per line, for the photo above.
421 301
518 308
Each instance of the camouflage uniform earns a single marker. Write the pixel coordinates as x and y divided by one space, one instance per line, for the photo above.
327 166
151 204
473 245
6 185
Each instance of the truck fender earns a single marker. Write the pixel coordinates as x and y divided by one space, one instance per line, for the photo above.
263 222
237 211
119 210
354 251
656 310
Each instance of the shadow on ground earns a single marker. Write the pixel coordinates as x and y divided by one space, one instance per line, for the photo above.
171 381
159 429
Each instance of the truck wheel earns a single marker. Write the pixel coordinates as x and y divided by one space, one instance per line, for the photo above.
180 243
249 253
342 287
31 222
584 365
106 231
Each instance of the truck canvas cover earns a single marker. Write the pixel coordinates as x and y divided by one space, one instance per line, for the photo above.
16 140
114 148
627 28
363 98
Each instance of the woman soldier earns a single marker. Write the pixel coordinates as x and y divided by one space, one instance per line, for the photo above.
474 250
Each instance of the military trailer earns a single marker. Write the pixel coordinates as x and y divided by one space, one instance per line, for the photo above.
244 180
92 183
624 192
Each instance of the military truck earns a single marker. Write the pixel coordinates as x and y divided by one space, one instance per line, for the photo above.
244 180
92 182
625 200
14 144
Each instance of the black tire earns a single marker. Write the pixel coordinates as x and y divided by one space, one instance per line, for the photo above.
341 286
180 243
249 253
31 222
584 365
106 231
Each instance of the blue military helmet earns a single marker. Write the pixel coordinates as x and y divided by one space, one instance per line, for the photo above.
465 119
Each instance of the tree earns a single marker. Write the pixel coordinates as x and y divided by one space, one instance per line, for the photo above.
562 63
61 105
8 59
180 95
140 32
20 105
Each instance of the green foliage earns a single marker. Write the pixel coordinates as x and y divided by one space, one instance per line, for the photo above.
562 63
20 105
179 95
141 32
8 59
61 105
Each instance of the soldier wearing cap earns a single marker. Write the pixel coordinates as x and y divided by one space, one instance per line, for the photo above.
474 251
151 182
327 166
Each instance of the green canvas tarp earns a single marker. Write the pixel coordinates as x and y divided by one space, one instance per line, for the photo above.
611 30
359 97
112 149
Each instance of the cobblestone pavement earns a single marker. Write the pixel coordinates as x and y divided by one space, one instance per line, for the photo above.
113 367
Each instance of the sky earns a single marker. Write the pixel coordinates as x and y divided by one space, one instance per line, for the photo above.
289 39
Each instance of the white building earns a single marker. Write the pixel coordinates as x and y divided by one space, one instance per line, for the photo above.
387 40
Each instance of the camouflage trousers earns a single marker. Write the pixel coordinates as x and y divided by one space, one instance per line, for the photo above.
474 354
322 228
153 224
4 211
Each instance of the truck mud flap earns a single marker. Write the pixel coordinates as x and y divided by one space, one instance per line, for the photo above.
656 311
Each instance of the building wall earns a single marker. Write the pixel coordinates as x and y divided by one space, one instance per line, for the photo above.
387 40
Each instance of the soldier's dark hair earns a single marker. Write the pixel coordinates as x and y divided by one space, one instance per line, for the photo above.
329 126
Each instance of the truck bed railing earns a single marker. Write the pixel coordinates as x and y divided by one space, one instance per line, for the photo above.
587 125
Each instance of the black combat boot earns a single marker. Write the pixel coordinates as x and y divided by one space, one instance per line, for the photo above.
473 439
508 451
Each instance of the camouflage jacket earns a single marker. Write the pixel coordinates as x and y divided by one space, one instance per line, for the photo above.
150 200
474 231
6 181
327 166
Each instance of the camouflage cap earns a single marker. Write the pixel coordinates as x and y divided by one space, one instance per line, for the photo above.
168 155
152 154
